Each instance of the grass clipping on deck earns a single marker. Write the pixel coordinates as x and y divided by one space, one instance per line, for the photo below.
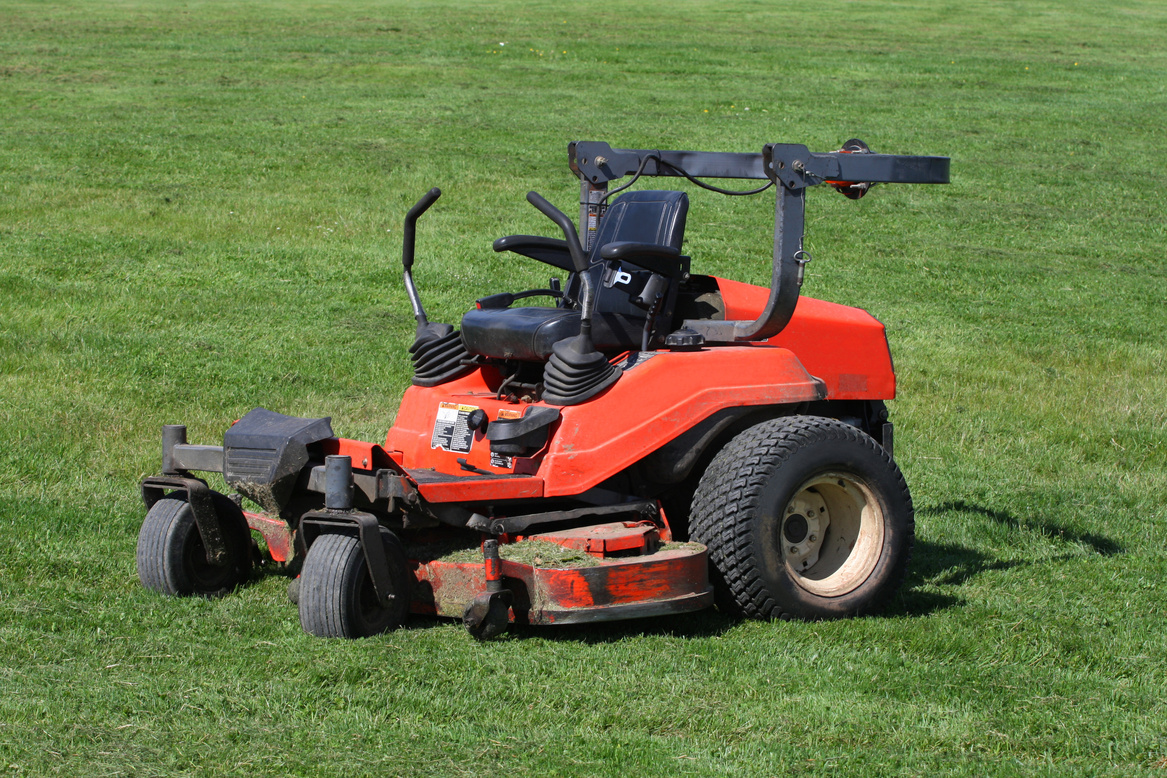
544 553
536 553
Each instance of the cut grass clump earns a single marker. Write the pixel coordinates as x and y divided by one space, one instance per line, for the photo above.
536 553
686 546
543 553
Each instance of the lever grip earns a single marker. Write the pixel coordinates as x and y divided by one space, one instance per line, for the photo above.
423 205
420 207
560 218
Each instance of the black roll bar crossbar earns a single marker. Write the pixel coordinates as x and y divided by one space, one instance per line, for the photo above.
791 167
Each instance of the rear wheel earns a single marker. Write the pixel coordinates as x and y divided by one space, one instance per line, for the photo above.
171 556
336 594
804 517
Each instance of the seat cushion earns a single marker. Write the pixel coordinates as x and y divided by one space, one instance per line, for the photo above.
517 333
528 334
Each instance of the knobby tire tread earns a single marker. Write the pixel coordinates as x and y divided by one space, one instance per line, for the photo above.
729 495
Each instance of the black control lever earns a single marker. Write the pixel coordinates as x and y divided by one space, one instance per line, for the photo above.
420 207
576 371
437 352
578 258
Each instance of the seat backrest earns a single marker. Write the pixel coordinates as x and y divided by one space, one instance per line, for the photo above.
644 216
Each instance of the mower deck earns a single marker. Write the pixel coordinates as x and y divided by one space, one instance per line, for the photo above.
628 578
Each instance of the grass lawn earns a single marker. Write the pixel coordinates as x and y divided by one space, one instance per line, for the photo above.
200 213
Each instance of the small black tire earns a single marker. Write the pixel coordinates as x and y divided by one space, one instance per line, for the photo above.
172 559
489 615
804 517
336 594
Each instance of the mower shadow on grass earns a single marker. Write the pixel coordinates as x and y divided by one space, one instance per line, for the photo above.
942 564
1099 543
701 624
950 564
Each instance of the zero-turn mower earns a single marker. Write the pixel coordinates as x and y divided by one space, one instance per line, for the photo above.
650 442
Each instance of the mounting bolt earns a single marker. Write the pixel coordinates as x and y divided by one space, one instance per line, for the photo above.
798 165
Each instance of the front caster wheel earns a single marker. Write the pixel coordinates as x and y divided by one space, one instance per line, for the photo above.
804 517
171 556
336 594
488 615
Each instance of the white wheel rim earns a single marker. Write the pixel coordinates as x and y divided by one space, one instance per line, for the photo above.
831 534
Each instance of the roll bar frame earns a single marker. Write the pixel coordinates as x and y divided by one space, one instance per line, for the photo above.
791 167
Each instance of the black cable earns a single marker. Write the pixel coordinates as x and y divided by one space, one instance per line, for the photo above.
718 189
635 176
685 173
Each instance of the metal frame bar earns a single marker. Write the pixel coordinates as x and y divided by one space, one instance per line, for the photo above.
792 167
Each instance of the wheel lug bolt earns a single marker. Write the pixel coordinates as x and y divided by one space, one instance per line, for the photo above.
813 538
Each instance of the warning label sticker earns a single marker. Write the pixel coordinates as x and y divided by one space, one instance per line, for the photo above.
451 430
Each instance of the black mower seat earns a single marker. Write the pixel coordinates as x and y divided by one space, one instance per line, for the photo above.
646 220
530 333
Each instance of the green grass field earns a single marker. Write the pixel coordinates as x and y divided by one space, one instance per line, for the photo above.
200 213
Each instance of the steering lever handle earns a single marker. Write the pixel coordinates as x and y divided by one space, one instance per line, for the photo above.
420 207
578 258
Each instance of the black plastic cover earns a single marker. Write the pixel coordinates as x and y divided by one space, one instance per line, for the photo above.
265 451
516 437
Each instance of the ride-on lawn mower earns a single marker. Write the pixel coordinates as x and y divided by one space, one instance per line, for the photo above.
653 441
